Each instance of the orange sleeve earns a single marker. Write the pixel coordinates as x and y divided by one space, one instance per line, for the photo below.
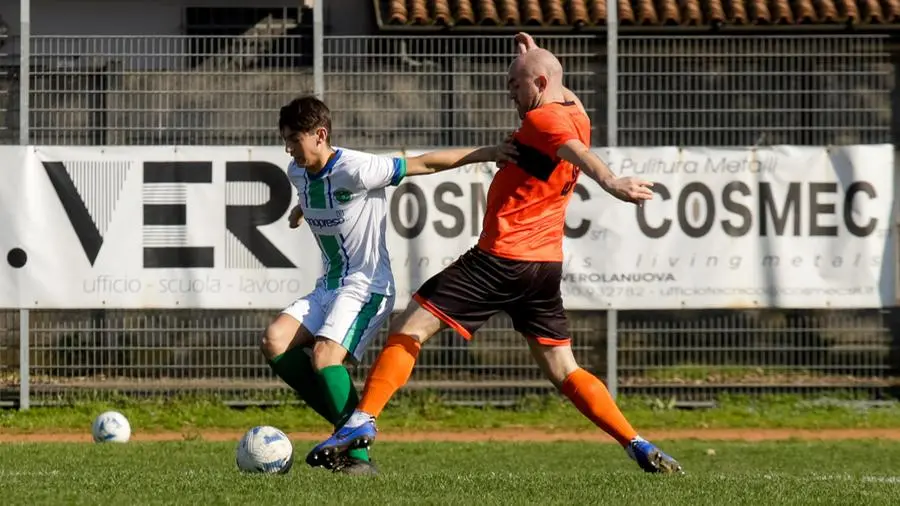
547 131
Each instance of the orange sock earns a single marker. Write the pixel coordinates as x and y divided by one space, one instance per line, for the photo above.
592 398
390 371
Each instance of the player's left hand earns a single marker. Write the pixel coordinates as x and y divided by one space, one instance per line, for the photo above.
631 189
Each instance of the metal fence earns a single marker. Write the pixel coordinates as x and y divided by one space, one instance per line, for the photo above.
692 356
394 92
742 91
389 92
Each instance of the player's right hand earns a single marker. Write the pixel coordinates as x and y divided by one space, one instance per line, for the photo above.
295 216
631 189
524 43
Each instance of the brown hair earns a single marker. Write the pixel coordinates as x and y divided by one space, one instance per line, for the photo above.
305 115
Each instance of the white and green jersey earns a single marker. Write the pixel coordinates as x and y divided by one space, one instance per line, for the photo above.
346 208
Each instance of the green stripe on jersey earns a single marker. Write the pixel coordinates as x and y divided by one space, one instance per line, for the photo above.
332 247
361 322
399 171
316 191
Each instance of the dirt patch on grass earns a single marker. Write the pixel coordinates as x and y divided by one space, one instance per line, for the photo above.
505 435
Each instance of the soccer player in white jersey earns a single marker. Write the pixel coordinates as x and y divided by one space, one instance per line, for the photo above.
342 199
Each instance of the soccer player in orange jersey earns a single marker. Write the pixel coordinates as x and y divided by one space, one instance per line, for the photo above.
516 267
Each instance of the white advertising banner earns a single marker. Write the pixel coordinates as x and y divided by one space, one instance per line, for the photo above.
206 227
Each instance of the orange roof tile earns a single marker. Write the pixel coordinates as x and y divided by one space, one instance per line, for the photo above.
661 13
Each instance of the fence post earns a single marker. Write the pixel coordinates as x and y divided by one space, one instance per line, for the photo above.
319 49
612 139
612 74
24 359
612 348
24 71
24 140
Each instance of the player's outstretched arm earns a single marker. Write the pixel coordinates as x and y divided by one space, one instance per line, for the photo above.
446 159
627 189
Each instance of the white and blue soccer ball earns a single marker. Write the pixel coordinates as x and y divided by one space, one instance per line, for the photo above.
111 427
265 449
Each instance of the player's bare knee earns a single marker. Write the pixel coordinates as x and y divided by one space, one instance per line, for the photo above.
275 340
327 353
416 322
556 360
280 336
399 325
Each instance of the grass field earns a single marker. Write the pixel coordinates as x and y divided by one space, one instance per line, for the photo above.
548 413
840 473
200 470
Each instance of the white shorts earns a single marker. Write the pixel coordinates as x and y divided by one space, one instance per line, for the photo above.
344 316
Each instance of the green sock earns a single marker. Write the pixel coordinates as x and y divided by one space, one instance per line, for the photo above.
342 397
295 368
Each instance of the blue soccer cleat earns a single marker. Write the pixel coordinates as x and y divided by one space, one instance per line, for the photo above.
344 439
652 459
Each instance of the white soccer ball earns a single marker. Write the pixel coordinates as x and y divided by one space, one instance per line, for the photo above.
265 449
111 427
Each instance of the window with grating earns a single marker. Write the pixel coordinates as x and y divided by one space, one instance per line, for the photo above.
287 32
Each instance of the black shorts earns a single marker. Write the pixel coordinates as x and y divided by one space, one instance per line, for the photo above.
478 285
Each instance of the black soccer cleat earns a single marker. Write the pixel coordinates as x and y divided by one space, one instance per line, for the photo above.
346 464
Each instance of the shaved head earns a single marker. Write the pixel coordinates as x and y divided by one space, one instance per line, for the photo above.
535 78
539 62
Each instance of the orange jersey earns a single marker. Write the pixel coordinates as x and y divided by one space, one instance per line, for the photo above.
526 202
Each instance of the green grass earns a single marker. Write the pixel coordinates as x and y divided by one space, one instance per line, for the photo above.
548 413
845 473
